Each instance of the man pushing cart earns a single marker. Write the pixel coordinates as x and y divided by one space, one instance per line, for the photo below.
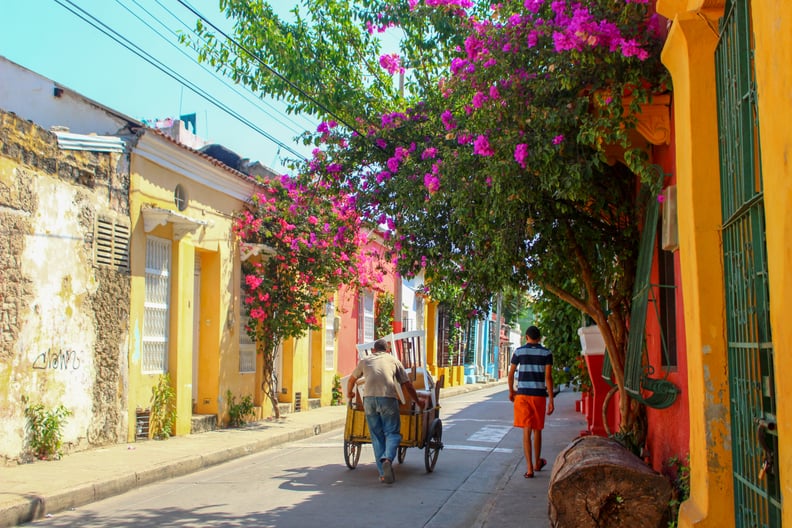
378 413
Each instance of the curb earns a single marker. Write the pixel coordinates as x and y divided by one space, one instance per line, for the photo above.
32 506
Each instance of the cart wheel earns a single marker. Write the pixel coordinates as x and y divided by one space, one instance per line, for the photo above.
401 454
434 443
351 454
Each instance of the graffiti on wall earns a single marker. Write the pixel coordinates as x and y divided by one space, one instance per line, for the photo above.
57 360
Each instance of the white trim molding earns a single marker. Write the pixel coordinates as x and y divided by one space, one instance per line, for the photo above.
182 224
193 165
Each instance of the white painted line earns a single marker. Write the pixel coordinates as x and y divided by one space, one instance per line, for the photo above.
490 434
477 448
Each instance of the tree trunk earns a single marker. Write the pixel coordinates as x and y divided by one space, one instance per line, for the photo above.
269 382
597 483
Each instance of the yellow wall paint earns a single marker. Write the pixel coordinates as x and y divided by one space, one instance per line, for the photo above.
212 327
295 373
321 378
688 55
181 334
285 388
430 324
301 374
772 20
315 367
217 300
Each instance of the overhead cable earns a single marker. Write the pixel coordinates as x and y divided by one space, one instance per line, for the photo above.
121 40
267 67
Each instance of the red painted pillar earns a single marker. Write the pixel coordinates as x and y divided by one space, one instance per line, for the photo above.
599 389
594 354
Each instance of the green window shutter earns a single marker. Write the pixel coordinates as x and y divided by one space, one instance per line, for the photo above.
661 392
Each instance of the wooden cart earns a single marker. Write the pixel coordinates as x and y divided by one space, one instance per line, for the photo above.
419 428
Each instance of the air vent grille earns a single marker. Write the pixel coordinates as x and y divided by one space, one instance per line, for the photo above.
111 243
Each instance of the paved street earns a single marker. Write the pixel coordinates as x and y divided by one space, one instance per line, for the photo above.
301 480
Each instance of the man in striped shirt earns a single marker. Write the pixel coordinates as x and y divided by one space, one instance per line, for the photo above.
533 364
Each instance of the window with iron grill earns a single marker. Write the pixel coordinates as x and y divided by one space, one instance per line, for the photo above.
156 306
330 332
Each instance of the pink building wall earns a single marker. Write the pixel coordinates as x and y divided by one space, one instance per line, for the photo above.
348 312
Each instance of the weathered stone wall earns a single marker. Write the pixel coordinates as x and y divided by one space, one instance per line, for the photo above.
63 316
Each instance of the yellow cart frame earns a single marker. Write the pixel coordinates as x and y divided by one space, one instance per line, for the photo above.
419 428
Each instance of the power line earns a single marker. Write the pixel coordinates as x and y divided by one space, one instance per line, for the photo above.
126 43
254 99
267 67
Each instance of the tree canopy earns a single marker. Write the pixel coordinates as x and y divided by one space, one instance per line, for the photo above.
491 170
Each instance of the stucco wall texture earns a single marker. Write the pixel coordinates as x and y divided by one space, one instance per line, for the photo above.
63 317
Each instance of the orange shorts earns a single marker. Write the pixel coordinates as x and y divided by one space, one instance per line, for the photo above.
529 411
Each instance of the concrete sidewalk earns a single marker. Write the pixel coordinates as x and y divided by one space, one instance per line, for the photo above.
517 501
31 491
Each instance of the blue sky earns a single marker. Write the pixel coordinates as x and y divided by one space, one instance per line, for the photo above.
45 37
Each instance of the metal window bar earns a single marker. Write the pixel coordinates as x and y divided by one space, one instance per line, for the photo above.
156 312
757 501
444 332
472 340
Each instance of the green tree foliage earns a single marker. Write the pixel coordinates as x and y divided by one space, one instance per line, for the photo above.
493 170
559 322
383 314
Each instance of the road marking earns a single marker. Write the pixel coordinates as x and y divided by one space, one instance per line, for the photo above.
477 448
490 434
453 447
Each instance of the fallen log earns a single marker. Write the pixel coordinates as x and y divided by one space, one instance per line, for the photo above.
597 483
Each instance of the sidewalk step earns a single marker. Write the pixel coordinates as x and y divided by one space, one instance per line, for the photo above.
202 423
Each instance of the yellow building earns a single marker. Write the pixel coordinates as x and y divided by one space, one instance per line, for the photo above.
730 64
185 267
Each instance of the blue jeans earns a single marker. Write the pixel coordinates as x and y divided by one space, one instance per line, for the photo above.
384 423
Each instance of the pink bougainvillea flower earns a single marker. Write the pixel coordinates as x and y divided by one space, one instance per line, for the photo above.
432 183
429 153
325 126
464 139
521 154
558 139
393 164
533 5
481 146
479 99
253 282
392 63
448 120
463 4
458 65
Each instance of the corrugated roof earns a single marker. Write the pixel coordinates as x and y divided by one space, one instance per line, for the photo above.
89 142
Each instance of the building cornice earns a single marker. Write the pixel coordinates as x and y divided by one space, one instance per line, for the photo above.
192 165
